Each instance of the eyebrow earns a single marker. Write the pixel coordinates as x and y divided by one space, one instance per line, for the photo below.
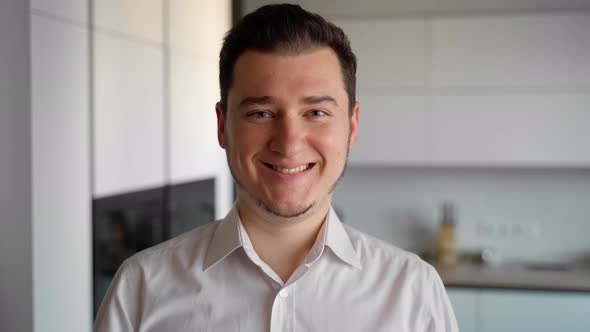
251 101
267 100
319 99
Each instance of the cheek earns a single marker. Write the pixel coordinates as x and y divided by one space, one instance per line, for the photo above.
247 141
334 143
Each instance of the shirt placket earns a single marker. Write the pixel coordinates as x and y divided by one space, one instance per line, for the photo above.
283 310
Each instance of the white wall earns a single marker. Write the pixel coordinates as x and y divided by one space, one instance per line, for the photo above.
16 289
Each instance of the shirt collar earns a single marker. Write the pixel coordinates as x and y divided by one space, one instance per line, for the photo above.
227 238
338 240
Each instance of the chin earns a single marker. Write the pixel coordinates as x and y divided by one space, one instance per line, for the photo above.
287 212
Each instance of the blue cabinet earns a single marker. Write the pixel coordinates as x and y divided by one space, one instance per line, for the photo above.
490 310
534 311
465 302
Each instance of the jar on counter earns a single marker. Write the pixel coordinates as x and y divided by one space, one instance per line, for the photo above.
446 253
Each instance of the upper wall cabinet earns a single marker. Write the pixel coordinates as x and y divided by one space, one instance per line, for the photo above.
508 51
510 90
198 27
128 115
391 83
136 19
391 131
496 89
391 53
511 130
74 10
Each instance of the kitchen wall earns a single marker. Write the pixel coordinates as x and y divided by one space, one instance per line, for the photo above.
16 289
540 214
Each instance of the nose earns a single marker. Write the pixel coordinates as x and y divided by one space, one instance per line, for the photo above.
288 136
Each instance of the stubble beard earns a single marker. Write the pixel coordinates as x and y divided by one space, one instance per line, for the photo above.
283 215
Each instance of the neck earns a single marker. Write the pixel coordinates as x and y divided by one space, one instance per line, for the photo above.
282 243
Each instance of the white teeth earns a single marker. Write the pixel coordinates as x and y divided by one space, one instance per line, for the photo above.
291 170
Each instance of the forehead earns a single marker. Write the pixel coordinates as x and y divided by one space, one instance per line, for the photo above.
312 72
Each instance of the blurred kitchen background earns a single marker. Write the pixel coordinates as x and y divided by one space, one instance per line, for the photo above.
108 146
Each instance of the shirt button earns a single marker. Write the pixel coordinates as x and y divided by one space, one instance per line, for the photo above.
283 293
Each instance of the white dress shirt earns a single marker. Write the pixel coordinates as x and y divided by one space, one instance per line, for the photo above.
211 279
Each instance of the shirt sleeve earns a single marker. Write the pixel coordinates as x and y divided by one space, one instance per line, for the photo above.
441 317
119 307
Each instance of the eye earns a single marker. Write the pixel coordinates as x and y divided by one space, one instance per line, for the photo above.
259 114
318 113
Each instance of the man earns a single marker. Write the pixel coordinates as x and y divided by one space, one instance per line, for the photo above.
281 260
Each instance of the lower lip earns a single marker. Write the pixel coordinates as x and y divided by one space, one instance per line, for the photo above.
289 176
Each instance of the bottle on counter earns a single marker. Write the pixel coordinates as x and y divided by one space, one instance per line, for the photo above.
446 253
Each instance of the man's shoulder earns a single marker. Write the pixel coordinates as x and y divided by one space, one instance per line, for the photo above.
376 252
186 250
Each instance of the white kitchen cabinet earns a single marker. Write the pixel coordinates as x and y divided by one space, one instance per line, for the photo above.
61 209
196 30
198 27
74 10
465 302
519 311
508 90
194 150
391 54
511 51
391 131
196 33
128 116
510 130
137 19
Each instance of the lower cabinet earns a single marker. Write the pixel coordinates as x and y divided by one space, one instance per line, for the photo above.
465 302
486 310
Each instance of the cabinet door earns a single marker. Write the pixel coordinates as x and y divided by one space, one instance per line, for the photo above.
510 90
511 51
61 208
197 28
391 54
128 115
73 10
137 19
194 150
512 130
513 311
465 305
196 33
391 131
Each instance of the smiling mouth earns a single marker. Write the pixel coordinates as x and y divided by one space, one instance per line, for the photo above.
298 169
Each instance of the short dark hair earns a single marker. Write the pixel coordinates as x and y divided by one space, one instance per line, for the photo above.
284 28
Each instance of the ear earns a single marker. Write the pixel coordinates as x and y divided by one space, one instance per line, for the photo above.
354 125
220 124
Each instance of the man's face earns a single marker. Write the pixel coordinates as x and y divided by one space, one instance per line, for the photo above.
287 130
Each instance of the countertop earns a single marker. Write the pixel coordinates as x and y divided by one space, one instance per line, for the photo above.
517 276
